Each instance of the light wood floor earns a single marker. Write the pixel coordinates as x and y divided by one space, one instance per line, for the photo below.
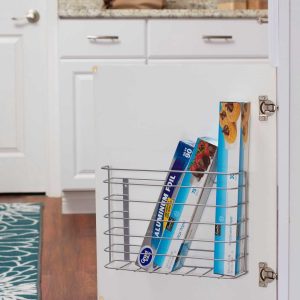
68 266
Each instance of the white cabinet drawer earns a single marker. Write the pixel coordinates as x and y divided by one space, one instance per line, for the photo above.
186 38
129 38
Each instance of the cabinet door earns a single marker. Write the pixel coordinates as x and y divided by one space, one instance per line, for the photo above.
139 123
78 123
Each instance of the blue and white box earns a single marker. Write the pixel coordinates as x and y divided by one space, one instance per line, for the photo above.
233 156
164 205
185 215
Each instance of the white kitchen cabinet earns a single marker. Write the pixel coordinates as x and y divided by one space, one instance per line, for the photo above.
85 46
153 108
154 41
77 82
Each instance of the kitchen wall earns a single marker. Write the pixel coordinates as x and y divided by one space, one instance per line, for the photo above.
170 3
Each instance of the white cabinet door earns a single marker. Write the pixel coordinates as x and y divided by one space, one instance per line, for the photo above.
77 121
138 124
23 98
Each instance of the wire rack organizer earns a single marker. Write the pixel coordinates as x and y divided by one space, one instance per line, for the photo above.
132 195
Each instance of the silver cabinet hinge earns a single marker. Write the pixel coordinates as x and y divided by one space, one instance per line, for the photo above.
267 108
266 274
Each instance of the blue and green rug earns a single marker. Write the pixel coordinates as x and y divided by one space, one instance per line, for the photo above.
20 243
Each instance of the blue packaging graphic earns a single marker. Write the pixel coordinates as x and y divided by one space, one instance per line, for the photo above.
164 205
241 250
185 209
229 258
208 182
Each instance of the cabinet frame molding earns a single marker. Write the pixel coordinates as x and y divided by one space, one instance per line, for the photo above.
280 30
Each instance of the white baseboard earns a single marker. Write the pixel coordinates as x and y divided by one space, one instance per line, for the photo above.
79 202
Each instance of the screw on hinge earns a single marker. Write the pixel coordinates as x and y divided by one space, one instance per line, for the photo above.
266 108
266 274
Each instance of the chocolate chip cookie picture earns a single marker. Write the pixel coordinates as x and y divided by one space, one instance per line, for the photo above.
230 132
245 121
245 113
232 110
223 118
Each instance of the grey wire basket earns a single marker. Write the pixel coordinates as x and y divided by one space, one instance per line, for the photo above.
132 195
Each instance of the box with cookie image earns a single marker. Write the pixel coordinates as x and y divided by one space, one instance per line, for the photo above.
233 156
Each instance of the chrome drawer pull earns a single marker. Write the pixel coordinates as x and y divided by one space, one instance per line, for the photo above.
94 38
263 20
217 37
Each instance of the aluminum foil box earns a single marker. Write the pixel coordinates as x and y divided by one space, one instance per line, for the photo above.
164 205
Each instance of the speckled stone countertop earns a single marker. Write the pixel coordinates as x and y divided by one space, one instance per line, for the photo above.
205 9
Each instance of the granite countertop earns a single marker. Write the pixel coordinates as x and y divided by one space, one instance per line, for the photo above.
94 9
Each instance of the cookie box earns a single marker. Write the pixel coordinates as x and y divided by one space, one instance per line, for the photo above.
233 156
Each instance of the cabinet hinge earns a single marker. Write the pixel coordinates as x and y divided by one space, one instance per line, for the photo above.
266 274
267 108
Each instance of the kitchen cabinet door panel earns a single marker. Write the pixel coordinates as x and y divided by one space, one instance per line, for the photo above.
77 80
138 125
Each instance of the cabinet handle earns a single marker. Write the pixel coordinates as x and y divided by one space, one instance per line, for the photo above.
263 20
94 38
217 37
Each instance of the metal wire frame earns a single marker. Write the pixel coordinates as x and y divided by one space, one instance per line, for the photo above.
113 198
191 272
127 263
112 217
110 249
118 181
168 171
110 233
